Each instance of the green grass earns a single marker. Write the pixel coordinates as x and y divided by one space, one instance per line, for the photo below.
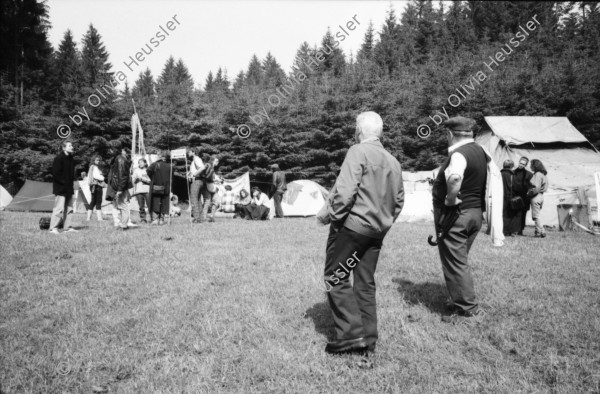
236 306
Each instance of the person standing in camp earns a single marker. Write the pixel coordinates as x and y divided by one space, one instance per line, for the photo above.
521 187
196 169
119 179
209 189
278 187
539 185
511 217
160 173
96 183
63 176
365 201
461 182
141 189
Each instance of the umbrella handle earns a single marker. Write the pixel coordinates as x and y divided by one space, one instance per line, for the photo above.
431 241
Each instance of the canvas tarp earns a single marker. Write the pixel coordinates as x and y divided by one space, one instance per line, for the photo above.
569 158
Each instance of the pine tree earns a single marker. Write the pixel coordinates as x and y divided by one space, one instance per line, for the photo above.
96 68
366 49
334 57
25 52
387 49
68 68
167 76
144 86
273 74
182 77
209 84
240 82
254 75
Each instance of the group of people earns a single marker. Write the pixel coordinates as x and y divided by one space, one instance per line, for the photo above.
150 185
367 198
523 189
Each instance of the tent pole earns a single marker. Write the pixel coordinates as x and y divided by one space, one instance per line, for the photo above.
188 186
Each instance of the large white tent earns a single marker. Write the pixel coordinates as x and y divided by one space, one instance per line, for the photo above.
571 160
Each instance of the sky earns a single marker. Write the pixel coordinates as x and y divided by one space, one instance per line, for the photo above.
207 35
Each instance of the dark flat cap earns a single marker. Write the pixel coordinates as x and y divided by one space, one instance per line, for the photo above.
459 123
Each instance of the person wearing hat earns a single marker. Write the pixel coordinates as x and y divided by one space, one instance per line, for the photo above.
460 182
278 187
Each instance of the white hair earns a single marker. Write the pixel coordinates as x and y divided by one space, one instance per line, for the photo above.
370 124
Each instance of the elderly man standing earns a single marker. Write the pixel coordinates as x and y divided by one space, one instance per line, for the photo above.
63 175
364 203
464 175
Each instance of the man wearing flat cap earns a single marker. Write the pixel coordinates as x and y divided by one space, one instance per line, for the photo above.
461 182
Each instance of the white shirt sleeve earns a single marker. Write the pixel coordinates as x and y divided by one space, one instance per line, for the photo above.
97 175
457 165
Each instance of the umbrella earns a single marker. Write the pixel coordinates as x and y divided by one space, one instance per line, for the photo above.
447 220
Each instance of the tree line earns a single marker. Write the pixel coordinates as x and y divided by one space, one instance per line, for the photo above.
405 70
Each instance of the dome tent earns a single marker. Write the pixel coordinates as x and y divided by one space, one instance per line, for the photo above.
302 198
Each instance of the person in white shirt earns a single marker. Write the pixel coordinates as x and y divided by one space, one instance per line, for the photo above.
96 183
194 176
259 208
141 188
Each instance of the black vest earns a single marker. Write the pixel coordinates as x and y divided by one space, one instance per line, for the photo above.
472 189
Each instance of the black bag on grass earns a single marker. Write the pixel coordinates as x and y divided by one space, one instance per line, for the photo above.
45 223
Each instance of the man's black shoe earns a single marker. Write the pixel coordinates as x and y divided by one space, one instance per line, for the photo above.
461 316
347 346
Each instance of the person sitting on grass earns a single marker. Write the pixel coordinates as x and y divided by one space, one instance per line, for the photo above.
243 200
259 207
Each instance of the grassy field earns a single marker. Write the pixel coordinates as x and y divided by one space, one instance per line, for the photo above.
238 306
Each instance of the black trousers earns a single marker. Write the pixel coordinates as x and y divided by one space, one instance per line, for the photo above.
277 201
353 306
96 201
454 252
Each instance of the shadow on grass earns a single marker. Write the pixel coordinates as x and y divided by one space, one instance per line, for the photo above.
322 319
429 294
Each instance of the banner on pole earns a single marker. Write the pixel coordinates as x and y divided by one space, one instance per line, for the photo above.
237 184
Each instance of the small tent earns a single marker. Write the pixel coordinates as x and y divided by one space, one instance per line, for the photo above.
37 196
5 198
34 196
571 160
302 198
